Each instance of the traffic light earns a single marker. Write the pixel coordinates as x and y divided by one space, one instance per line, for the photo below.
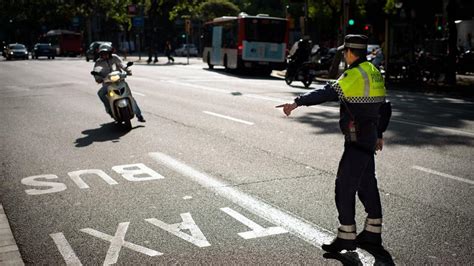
366 27
183 36
351 22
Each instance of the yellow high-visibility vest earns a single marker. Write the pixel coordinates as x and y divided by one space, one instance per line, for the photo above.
361 84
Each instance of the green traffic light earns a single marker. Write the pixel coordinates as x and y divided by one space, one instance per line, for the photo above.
440 28
351 22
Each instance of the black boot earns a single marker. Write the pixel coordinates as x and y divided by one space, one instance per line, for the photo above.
346 239
366 238
339 244
372 234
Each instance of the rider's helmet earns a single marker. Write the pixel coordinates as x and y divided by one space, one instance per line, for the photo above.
105 48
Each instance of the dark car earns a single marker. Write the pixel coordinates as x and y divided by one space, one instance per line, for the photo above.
16 50
43 49
92 52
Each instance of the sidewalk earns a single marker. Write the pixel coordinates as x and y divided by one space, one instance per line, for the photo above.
162 59
9 254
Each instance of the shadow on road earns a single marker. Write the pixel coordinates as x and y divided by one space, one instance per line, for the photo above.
381 256
418 120
106 132
255 75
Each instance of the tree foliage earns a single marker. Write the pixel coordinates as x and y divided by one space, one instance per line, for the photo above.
217 8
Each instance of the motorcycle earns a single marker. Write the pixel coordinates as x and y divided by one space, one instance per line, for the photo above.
305 73
119 96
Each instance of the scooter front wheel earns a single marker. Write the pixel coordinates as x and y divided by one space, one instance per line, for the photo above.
128 124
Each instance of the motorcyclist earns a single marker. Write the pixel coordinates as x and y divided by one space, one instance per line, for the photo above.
299 54
107 63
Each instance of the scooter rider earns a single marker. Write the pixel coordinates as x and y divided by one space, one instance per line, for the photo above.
107 63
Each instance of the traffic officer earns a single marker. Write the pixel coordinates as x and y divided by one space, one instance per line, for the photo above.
364 116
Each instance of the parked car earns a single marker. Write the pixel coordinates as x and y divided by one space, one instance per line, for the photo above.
43 49
92 52
16 50
183 50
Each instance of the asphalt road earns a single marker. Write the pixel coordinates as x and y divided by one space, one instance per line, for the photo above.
217 174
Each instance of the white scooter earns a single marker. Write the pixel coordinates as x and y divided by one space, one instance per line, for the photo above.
119 96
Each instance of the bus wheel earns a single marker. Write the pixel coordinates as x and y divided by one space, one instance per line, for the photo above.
227 69
209 61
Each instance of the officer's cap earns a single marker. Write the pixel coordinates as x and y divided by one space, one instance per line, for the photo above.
354 41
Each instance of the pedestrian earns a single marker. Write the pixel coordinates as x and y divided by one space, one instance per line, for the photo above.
168 50
105 64
152 45
364 116
152 52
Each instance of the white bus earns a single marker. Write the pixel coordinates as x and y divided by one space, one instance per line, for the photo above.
246 42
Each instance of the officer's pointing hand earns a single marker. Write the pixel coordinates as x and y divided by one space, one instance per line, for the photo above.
379 145
287 107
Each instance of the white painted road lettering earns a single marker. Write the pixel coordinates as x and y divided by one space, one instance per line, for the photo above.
130 172
65 249
32 181
285 222
117 242
257 230
76 177
197 237
137 172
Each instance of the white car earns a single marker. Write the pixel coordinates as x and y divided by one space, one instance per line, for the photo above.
183 50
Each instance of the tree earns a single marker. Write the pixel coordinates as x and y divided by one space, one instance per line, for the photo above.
217 8
275 8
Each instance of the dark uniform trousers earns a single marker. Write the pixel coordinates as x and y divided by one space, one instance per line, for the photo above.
356 174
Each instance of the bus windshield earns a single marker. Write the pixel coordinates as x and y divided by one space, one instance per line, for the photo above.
265 30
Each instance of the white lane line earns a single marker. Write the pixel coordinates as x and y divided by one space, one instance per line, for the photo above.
461 132
138 93
310 233
198 86
443 174
229 118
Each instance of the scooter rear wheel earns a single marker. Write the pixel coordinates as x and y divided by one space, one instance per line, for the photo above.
307 83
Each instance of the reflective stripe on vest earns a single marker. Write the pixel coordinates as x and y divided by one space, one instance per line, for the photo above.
362 84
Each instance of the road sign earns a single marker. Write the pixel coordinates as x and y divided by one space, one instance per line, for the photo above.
138 21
